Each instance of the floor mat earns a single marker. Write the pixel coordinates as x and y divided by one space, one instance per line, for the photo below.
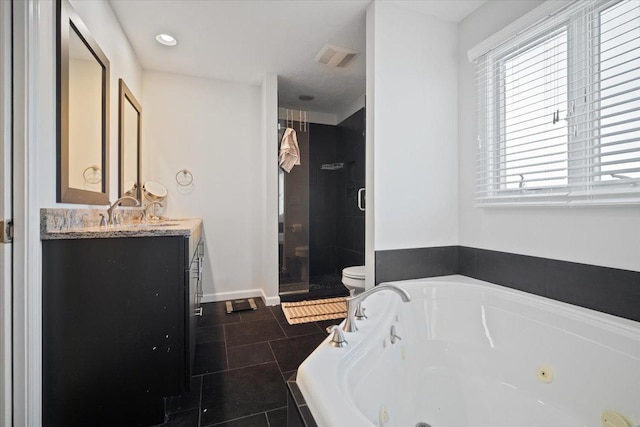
315 310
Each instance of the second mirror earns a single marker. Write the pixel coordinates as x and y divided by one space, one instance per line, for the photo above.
130 115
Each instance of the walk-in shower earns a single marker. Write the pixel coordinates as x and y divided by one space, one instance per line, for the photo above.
321 208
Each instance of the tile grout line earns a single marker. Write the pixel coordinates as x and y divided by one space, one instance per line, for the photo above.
234 369
226 351
245 416
280 326
279 368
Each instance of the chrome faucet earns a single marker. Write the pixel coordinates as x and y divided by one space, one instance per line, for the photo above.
112 208
337 340
145 214
353 303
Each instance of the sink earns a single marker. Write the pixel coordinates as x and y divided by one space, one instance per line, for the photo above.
163 224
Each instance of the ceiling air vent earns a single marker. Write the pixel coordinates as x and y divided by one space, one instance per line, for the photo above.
335 56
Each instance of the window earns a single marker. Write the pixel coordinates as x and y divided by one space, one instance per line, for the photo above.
559 109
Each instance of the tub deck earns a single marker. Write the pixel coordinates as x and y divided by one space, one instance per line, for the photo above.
474 354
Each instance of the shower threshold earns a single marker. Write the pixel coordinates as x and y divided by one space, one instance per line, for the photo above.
294 288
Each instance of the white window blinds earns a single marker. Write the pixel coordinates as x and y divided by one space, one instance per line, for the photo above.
559 109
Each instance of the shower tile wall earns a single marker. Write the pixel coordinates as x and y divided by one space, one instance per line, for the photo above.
323 142
336 237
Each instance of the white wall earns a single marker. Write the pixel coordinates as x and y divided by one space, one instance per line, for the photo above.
268 276
369 214
606 236
212 128
413 92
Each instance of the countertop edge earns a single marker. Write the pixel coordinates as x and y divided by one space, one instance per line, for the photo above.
186 228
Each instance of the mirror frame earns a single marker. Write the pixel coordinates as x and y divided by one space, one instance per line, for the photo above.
66 20
127 96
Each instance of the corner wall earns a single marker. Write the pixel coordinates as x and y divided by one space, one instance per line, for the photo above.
267 277
604 236
414 105
214 129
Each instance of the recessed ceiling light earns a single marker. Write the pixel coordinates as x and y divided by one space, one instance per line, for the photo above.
306 98
166 40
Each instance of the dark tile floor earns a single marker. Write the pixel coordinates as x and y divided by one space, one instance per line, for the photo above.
241 364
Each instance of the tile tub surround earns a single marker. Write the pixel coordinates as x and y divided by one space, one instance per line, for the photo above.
243 362
608 290
416 263
85 224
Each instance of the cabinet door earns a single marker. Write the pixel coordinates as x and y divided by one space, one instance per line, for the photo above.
191 322
192 306
113 329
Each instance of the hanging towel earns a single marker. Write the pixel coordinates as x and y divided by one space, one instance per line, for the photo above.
289 150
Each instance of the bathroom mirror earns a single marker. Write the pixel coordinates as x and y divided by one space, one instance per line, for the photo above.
82 112
129 113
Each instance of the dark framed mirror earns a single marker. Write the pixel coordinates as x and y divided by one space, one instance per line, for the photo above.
130 123
82 112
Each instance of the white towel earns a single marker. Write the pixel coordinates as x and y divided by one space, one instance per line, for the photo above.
289 150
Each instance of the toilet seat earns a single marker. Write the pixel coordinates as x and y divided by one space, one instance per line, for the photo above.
355 272
353 279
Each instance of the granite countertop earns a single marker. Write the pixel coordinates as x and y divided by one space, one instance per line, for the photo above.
57 224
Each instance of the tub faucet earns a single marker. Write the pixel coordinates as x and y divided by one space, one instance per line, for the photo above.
112 208
337 340
353 303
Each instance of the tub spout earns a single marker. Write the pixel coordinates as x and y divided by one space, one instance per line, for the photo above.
353 303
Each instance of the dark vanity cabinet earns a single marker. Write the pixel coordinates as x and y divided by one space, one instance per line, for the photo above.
118 327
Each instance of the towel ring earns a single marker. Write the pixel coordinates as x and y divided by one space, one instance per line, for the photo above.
184 178
95 177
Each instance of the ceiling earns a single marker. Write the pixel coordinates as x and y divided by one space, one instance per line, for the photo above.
242 40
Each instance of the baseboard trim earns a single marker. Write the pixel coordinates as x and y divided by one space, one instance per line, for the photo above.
226 296
270 300
247 293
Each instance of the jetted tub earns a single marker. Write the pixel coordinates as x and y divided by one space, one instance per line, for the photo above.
474 354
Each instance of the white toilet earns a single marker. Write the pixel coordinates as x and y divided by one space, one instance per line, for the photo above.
353 279
302 253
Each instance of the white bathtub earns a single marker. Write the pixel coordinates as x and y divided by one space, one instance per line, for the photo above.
471 355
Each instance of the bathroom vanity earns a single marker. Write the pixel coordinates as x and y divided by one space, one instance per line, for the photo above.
119 319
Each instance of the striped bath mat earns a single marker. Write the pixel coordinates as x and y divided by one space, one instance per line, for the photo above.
312 311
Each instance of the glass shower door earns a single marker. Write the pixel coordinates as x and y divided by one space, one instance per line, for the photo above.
293 217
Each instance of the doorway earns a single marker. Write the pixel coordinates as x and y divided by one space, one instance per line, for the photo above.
6 401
